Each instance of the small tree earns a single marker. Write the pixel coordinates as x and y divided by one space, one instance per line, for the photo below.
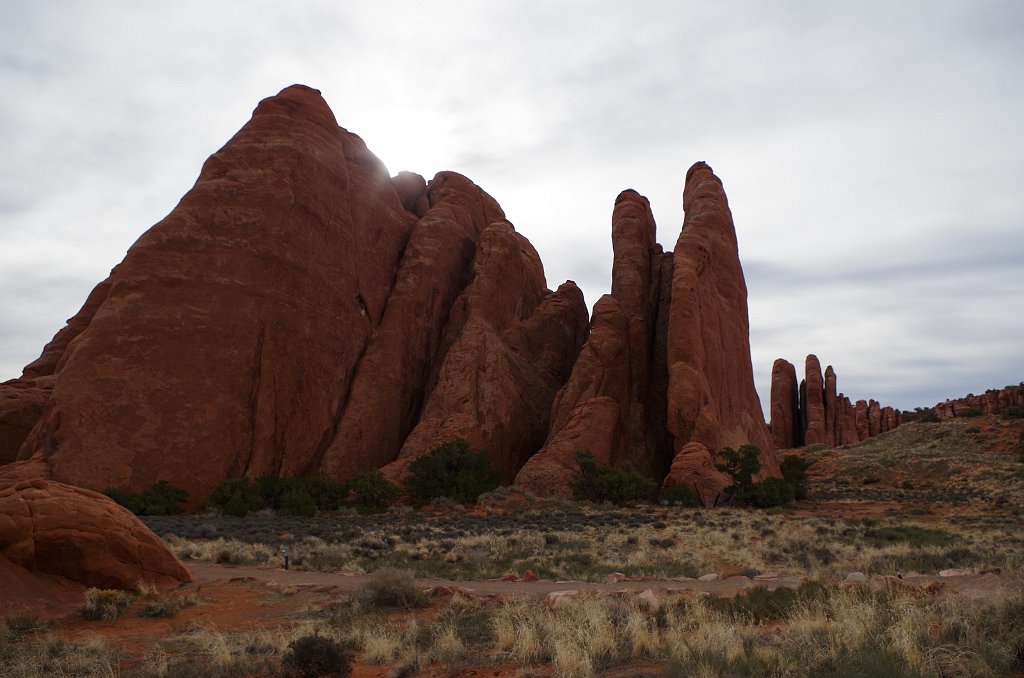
740 465
453 470
794 472
236 497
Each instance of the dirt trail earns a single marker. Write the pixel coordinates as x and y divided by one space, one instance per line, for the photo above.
972 586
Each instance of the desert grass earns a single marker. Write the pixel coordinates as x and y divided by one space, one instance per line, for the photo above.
816 630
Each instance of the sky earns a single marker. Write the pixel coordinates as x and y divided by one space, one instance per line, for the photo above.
872 152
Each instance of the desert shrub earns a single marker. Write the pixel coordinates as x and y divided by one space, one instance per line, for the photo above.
1014 412
454 470
160 499
314 656
681 495
389 588
296 502
236 497
929 417
371 492
604 483
770 492
105 604
970 412
20 625
166 606
794 472
872 480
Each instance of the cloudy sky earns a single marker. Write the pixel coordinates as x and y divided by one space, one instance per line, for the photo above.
873 152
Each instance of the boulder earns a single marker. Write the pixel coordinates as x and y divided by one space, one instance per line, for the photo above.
55 529
694 466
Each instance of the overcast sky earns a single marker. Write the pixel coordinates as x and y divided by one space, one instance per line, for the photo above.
873 152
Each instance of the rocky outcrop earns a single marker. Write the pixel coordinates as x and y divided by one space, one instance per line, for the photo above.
823 416
786 428
993 401
694 467
54 529
22 402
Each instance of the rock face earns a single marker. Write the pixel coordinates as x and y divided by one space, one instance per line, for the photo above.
822 415
22 402
787 432
55 529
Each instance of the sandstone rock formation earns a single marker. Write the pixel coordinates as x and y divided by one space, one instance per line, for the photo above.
301 311
787 431
711 396
822 415
54 529
665 376
812 402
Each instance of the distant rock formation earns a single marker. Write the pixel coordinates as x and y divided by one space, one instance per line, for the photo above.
302 312
992 401
820 415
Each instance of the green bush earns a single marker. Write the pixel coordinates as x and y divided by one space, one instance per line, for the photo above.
160 499
296 502
454 470
315 656
371 492
681 495
328 495
770 492
604 483
236 497
970 412
794 472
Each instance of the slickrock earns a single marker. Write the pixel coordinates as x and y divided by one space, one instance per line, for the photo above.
55 529
787 432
